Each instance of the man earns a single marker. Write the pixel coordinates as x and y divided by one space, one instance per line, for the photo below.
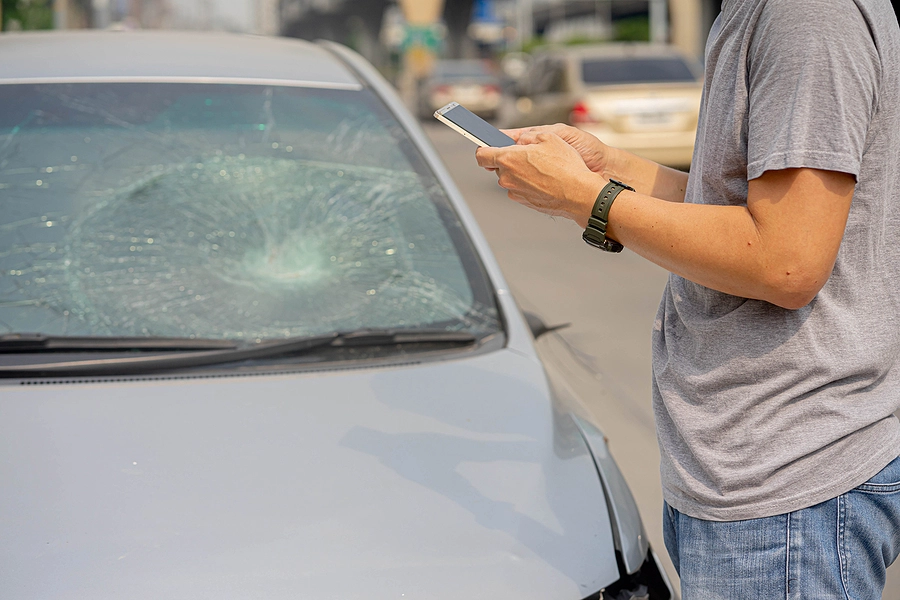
777 342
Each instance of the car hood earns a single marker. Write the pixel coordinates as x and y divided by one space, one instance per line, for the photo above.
447 479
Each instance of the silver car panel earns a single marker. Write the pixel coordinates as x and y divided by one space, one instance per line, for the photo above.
148 56
452 479
628 530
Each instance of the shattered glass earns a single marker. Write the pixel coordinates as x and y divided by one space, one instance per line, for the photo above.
222 211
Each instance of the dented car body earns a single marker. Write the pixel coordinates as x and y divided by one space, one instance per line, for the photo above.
252 344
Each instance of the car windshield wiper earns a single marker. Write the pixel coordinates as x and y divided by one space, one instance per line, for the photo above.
38 342
260 350
379 337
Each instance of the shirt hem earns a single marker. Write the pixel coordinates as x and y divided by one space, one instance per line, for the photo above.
810 159
779 506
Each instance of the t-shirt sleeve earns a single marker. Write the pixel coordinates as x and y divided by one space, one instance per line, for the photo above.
813 72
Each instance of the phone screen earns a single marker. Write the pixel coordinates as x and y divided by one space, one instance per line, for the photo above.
479 130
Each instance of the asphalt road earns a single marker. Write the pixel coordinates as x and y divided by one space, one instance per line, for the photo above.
610 301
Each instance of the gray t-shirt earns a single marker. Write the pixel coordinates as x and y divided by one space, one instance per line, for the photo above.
762 410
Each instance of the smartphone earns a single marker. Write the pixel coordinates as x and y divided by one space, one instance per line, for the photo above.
471 126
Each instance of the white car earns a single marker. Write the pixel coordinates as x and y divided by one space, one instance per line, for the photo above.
644 98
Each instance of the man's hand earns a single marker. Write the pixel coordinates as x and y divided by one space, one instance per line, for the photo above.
594 153
545 173
646 176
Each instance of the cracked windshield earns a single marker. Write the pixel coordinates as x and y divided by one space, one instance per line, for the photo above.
222 211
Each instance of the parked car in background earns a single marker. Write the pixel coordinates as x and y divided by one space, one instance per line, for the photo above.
473 83
643 98
253 345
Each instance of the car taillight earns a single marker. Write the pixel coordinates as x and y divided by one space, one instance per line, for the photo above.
581 114
442 89
492 89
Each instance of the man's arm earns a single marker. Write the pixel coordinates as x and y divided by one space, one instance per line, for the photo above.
780 247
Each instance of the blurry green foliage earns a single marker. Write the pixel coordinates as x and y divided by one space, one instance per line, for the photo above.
534 43
632 29
27 14
580 40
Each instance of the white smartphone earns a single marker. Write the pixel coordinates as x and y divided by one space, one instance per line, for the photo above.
471 126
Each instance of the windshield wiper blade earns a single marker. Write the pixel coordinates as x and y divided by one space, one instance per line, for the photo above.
38 342
387 337
162 362
260 350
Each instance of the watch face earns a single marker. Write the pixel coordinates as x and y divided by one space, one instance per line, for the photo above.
611 246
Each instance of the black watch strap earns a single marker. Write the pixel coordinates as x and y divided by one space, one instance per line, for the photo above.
595 233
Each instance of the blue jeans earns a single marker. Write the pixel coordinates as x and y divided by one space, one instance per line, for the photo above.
837 549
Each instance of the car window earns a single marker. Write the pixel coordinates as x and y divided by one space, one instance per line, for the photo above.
636 70
223 211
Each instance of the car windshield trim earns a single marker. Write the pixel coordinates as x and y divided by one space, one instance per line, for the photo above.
295 83
264 349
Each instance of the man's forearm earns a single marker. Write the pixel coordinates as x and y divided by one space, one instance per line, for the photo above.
780 247
646 176
716 246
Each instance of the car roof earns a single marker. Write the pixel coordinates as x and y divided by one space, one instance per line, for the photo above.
171 56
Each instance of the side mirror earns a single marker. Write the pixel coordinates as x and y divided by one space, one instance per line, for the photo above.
537 325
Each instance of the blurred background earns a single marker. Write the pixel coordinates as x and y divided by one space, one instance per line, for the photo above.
382 30
511 61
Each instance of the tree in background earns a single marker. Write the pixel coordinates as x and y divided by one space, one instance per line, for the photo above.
27 14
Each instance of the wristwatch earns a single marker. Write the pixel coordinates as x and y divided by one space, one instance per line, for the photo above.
595 233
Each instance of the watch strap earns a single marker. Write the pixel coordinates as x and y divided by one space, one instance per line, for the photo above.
595 232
